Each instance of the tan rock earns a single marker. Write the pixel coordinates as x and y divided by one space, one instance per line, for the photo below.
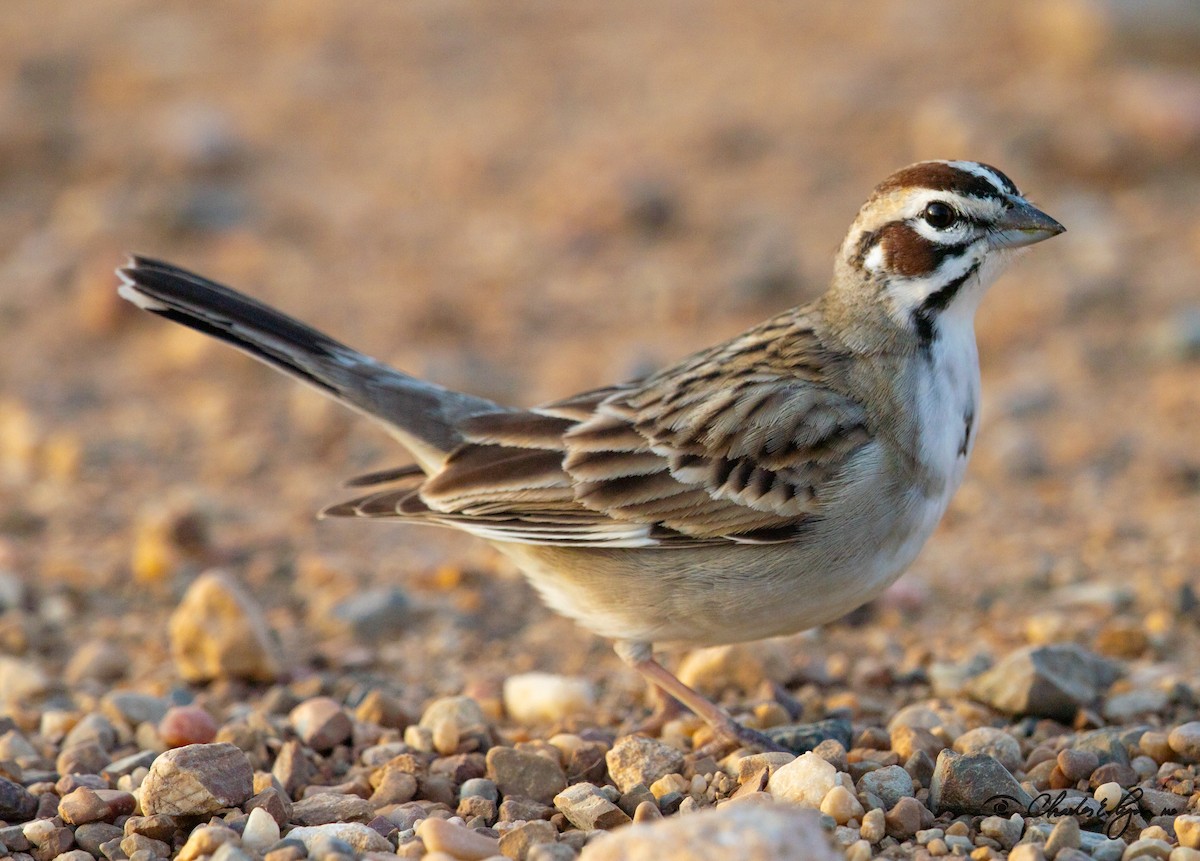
218 631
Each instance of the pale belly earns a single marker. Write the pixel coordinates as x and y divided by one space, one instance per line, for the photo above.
727 594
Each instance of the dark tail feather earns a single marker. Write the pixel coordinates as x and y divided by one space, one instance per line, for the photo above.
422 415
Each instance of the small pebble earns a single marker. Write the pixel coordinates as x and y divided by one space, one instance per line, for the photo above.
806 780
532 698
454 724
439 835
1065 835
841 804
184 725
873 828
1147 848
1005 831
994 742
904 819
1077 765
528 775
1185 741
261 831
321 723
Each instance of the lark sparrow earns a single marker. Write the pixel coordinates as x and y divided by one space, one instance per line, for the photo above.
760 487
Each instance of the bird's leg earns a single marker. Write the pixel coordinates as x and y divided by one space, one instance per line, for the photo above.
666 709
727 731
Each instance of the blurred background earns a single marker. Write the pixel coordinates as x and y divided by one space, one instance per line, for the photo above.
525 199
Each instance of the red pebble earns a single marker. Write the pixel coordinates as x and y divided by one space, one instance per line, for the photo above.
187 725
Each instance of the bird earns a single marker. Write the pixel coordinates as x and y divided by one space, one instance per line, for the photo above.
760 487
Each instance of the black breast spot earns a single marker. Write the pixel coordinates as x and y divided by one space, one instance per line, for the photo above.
968 422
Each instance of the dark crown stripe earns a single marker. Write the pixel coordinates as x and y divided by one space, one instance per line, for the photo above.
944 177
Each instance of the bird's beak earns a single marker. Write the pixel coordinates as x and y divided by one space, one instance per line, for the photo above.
1023 224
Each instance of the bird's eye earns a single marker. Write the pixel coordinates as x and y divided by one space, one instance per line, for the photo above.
939 215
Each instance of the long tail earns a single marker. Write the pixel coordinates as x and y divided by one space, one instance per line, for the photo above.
423 416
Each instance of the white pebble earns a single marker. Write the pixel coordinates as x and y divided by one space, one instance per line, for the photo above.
1109 794
806 780
531 698
261 831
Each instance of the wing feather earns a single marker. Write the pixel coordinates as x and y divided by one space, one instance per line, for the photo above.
745 442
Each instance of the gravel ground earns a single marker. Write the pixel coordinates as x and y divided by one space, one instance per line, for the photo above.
524 200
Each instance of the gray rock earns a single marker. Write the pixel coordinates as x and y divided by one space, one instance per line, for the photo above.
890 784
16 804
635 759
197 780
231 852
481 787
134 708
1004 830
920 767
1077 765
374 615
1156 802
587 808
1109 745
1123 708
1178 336
551 852
994 742
975 783
323 808
89 837
1064 836
359 837
13 837
803 737
94 728
1047 681
528 775
293 768
321 723
128 764
760 832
